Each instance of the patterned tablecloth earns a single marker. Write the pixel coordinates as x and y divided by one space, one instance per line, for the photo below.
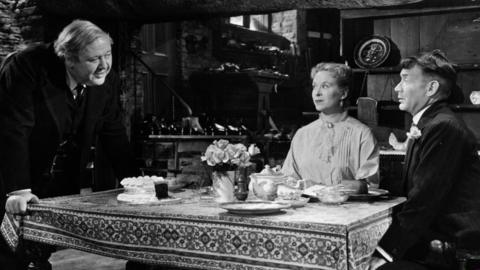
199 234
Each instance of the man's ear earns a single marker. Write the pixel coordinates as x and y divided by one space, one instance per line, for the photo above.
69 62
345 94
432 88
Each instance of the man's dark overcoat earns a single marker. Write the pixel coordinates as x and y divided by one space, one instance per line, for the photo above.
33 115
442 184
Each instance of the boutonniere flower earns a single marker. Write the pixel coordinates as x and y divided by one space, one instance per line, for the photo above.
414 133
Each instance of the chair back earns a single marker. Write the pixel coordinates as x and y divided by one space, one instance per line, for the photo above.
367 111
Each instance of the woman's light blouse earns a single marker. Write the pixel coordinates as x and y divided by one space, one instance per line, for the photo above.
326 152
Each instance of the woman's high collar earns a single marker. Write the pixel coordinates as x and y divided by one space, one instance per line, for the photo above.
334 117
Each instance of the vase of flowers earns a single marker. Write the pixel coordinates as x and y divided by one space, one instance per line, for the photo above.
224 158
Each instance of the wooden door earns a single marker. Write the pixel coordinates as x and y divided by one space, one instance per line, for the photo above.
158 53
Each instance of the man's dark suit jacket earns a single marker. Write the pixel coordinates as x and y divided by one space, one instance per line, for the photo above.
442 183
33 109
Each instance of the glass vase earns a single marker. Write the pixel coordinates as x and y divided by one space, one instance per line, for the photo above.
223 183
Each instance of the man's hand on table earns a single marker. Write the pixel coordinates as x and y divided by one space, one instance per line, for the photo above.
17 202
376 262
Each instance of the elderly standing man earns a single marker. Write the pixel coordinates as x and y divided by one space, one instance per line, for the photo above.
441 174
56 101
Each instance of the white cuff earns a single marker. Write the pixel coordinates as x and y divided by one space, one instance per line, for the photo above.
384 254
19 192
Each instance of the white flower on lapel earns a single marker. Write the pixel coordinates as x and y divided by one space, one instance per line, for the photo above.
414 133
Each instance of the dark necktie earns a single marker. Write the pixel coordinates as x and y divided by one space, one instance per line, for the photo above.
77 92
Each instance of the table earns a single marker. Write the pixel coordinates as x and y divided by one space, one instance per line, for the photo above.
199 234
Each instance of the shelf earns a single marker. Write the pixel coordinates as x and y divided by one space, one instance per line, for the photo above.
275 77
379 70
397 69
465 107
237 51
173 138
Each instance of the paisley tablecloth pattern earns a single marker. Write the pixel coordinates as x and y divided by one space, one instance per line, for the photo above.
206 236
362 241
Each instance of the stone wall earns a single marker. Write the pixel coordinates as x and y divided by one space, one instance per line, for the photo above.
20 24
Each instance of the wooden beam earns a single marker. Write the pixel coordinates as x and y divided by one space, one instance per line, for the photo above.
167 10
376 12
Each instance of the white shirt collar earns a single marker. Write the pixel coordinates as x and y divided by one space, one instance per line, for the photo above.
419 114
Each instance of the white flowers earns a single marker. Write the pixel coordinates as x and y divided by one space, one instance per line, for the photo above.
414 133
222 153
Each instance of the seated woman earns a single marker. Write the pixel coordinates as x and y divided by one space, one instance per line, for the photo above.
335 148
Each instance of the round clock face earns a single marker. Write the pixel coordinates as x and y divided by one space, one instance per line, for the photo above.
372 52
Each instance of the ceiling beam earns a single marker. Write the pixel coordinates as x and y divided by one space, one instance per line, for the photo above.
168 10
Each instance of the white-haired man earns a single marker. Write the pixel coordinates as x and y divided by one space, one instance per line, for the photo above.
56 101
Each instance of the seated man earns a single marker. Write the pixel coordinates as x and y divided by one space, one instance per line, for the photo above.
441 174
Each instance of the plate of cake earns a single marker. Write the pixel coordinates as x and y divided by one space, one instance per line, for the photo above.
146 190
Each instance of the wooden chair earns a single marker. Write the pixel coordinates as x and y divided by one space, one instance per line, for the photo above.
367 111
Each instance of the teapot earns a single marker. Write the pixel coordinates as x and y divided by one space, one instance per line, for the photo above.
264 185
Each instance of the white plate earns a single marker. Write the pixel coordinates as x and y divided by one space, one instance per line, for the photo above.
127 198
300 202
174 187
254 207
373 193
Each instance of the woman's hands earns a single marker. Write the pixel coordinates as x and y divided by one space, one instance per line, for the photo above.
355 186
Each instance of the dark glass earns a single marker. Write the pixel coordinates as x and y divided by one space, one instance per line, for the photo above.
161 190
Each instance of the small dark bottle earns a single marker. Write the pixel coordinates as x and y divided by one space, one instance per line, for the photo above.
208 127
241 192
173 129
163 126
149 125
